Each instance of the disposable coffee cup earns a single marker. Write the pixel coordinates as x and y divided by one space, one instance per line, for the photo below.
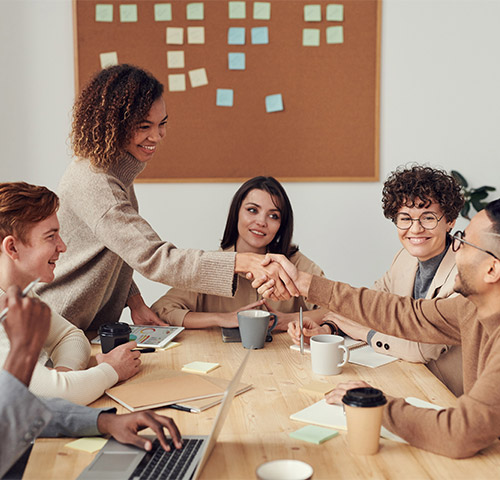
254 327
364 408
328 354
284 470
113 334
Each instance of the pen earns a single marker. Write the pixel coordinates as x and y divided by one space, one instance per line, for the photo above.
3 313
181 408
301 324
145 350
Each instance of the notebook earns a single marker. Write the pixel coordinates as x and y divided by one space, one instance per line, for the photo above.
150 335
118 461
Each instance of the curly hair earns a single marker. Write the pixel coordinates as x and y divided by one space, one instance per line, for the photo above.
22 205
108 111
419 186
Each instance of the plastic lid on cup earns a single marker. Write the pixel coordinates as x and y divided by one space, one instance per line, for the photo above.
364 397
114 329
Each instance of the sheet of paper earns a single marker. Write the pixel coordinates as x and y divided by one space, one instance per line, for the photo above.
87 444
200 367
177 82
312 13
236 61
368 357
314 434
237 10
335 35
274 103
175 59
108 59
163 12
195 11
103 12
224 97
128 13
198 77
196 35
335 12
175 36
236 36
261 10
260 36
310 37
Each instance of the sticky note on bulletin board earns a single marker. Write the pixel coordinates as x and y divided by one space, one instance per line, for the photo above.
327 126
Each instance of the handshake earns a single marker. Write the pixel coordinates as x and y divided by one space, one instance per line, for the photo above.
273 275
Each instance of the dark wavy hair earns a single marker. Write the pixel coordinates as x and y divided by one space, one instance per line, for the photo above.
108 111
282 241
406 185
493 212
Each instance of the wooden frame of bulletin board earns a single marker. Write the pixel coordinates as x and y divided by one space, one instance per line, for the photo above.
318 60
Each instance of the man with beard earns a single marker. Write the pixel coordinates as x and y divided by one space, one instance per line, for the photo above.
471 320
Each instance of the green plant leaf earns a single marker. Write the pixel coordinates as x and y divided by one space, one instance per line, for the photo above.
478 195
477 204
465 211
459 178
484 189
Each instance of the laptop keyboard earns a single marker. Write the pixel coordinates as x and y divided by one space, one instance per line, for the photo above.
159 464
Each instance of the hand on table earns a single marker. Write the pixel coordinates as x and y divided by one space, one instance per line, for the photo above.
310 328
335 396
349 327
141 314
125 361
124 428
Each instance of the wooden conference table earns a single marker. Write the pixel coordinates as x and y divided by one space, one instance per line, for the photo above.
258 425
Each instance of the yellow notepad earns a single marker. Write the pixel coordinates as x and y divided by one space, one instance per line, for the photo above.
88 444
200 367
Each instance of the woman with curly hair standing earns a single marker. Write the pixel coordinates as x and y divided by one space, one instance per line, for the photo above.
118 122
423 203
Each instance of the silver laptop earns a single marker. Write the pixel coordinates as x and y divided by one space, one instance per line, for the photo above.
118 461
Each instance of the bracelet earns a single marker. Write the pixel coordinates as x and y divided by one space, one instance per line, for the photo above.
332 326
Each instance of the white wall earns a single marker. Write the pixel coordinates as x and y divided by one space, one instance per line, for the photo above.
440 104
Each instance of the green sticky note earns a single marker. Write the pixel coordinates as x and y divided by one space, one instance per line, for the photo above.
314 434
261 11
335 34
163 12
335 12
312 13
128 13
195 11
104 13
237 10
310 37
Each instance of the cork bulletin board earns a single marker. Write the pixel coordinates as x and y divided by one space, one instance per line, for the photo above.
280 87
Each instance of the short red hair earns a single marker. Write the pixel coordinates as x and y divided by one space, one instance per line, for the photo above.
22 205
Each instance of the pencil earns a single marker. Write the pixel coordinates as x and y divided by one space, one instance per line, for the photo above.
3 313
301 324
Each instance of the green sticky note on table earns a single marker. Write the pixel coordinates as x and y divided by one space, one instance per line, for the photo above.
312 13
163 12
87 444
314 434
128 13
104 12
335 35
335 12
200 367
310 37
195 11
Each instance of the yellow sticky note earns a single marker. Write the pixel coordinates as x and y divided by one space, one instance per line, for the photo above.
200 367
175 36
198 77
196 35
175 59
177 82
320 388
170 345
108 59
87 444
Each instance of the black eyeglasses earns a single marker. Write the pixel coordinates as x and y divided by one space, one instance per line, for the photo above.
458 240
428 221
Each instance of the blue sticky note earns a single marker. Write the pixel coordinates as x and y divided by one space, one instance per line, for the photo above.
163 12
224 97
314 434
260 35
335 12
310 37
236 36
312 13
274 103
236 61
195 11
104 13
335 34
128 13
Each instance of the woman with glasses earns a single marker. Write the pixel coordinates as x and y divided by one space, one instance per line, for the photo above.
423 204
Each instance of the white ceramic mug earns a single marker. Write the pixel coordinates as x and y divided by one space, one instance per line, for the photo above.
328 354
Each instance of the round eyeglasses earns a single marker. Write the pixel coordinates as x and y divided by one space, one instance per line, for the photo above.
428 220
458 240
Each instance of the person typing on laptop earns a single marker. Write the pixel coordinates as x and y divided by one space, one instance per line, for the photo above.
24 417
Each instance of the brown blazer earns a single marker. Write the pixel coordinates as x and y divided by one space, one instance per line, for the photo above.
442 360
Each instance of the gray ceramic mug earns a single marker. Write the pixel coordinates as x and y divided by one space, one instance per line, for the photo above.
254 327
